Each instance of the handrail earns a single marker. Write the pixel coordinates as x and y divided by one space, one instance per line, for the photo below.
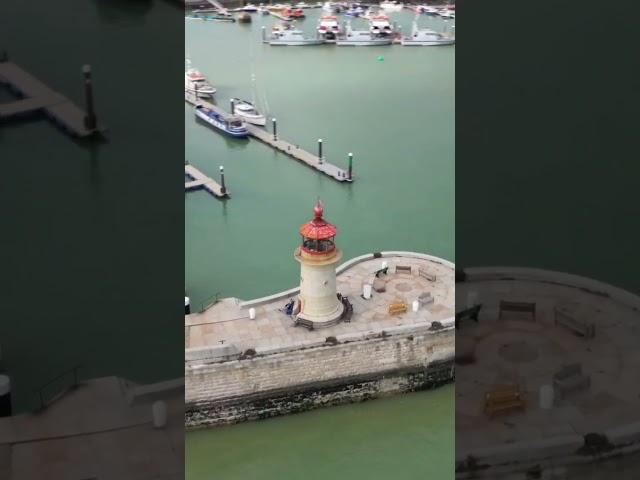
43 401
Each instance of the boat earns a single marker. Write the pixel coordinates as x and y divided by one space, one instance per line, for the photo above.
263 10
277 7
391 6
379 25
328 27
426 37
229 124
354 12
290 37
249 7
302 5
248 112
362 38
448 14
295 13
429 10
196 83
284 15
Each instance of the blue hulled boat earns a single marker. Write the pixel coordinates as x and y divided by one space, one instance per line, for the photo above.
229 124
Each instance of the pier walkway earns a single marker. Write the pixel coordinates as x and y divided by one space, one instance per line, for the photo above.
200 180
39 97
294 151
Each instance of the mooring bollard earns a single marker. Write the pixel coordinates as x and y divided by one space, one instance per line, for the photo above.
223 188
320 150
350 166
252 313
233 106
90 116
264 33
275 129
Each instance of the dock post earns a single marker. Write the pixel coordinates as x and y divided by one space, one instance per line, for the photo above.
223 188
233 107
320 150
264 34
275 129
90 116
350 166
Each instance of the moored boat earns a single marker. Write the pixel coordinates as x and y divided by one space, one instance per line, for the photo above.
362 38
391 6
195 83
229 124
328 27
427 37
289 37
248 112
379 25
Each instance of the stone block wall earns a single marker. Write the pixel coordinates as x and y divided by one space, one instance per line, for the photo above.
306 378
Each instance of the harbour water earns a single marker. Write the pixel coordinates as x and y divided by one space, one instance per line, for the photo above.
410 437
393 107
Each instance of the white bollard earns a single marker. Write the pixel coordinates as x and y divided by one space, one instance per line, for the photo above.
159 409
187 305
384 265
366 291
546 397
415 305
252 313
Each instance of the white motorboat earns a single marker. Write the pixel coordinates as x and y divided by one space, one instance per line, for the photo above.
379 25
248 112
427 37
447 14
328 27
249 7
195 83
290 37
362 38
391 6
302 5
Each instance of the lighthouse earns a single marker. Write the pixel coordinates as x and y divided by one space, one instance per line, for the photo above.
318 256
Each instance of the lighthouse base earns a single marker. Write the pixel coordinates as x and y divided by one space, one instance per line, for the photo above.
314 322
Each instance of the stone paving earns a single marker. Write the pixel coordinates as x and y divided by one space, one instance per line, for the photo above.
95 432
228 323
518 350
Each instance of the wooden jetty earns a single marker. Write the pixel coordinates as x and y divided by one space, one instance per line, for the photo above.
293 151
36 97
200 180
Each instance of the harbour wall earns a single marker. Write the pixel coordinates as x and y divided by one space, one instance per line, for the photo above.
241 386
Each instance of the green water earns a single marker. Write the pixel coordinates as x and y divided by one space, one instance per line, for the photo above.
84 288
407 437
397 116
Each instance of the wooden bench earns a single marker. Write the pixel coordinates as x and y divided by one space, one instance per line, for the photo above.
470 313
503 399
582 327
517 307
397 307
424 274
403 269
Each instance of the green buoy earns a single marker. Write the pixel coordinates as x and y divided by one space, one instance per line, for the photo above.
381 58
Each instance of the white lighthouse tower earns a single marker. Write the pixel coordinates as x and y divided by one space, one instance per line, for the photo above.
318 256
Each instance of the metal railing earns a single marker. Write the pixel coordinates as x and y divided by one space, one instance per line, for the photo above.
56 393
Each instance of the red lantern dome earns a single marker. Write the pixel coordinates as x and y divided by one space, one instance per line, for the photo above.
318 234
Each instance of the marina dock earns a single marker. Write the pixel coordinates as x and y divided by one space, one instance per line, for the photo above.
36 97
293 151
200 180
